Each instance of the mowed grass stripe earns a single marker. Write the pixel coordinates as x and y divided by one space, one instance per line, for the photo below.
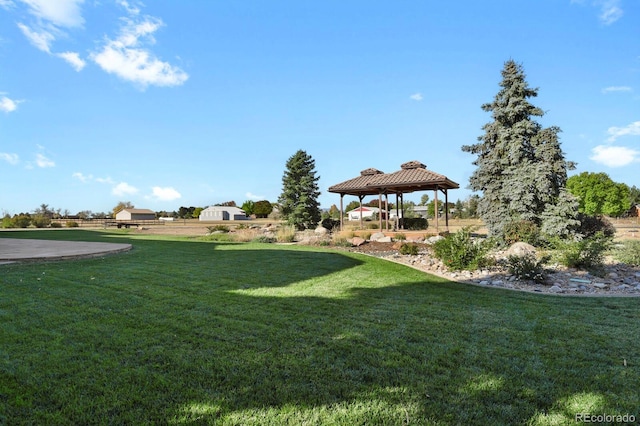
179 331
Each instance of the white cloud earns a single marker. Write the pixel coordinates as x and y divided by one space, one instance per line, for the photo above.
9 158
51 17
81 177
73 59
41 39
8 105
132 10
63 13
165 194
126 58
124 188
44 162
613 89
106 180
632 129
614 156
6 4
416 97
254 197
610 11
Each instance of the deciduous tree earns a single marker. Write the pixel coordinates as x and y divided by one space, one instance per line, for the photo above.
262 208
597 194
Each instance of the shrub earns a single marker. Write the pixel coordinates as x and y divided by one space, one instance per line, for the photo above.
286 234
342 242
400 236
218 229
330 224
71 224
7 222
264 239
414 223
629 253
459 251
409 249
524 231
590 225
527 267
56 225
40 221
21 221
587 253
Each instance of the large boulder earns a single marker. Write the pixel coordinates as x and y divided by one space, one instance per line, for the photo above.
357 241
377 236
520 249
321 230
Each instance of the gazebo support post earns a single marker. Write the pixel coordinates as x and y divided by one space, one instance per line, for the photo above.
360 197
446 210
380 210
435 209
341 213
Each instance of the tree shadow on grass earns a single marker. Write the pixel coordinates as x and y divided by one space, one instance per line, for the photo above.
407 352
202 333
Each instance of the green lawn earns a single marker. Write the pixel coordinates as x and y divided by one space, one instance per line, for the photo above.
181 331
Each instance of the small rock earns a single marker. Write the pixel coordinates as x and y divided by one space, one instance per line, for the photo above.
555 289
600 285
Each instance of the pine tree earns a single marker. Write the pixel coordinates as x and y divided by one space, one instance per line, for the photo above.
299 199
521 169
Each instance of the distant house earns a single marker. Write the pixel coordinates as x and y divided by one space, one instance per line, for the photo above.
222 213
367 212
136 214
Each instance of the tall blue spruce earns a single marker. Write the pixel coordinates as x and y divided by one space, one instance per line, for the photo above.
299 199
521 170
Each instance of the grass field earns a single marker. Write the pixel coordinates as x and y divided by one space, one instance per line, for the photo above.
182 331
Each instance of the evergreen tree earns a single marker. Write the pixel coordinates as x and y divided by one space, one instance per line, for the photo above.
299 198
521 169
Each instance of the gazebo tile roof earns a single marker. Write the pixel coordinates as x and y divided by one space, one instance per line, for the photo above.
413 176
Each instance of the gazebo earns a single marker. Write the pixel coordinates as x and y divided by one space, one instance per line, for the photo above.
412 176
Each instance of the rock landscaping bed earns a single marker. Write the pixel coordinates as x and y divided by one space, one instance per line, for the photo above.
616 279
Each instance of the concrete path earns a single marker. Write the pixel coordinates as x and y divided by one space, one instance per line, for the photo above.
20 250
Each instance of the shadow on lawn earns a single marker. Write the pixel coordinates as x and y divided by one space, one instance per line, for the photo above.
408 354
411 364
186 340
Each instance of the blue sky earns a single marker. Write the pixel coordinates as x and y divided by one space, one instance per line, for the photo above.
192 103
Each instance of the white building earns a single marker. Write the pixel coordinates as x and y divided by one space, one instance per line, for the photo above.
367 212
222 213
136 214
